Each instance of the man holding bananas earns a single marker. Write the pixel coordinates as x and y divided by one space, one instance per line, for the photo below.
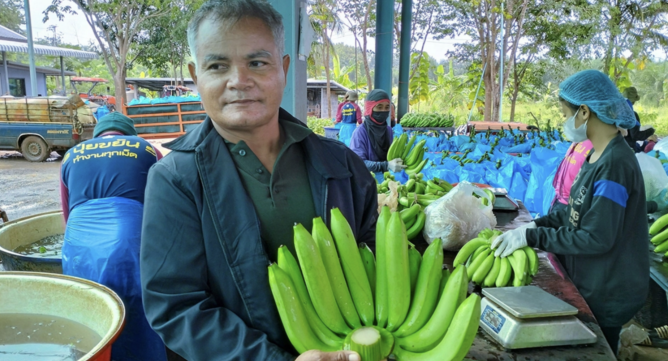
602 233
222 202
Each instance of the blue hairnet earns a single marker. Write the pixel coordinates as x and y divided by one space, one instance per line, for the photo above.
595 90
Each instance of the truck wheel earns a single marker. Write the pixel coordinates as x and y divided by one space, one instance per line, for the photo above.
34 149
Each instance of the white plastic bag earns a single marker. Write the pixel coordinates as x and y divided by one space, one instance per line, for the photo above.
662 145
655 179
458 217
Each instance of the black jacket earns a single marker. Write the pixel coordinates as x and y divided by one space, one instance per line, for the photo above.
203 264
602 235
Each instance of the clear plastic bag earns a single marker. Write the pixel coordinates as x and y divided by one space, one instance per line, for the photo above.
459 216
655 179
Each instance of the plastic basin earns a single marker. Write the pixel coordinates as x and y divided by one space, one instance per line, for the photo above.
331 132
75 299
27 230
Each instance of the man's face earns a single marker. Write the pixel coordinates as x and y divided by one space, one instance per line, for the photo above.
240 74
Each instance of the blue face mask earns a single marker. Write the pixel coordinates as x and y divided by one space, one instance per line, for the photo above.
576 135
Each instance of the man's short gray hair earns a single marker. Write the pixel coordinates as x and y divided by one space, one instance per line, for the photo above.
233 11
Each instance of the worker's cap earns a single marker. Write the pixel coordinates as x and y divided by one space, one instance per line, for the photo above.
595 90
352 95
631 93
115 121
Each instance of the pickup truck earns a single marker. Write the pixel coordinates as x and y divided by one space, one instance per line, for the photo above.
38 126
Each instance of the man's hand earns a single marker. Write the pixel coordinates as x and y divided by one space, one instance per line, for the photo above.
395 165
315 355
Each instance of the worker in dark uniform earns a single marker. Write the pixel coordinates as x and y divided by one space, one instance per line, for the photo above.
602 234
635 133
102 193
372 140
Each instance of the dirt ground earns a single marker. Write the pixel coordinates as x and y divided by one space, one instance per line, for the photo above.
28 188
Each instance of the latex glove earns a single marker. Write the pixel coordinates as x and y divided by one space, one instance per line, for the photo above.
315 355
530 225
509 242
395 165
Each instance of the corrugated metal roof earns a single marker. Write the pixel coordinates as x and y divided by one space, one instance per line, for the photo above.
7 34
334 86
39 69
17 47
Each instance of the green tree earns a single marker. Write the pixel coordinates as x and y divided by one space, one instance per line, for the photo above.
116 25
11 15
359 18
325 22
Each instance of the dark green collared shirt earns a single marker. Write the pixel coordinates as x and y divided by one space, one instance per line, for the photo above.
281 198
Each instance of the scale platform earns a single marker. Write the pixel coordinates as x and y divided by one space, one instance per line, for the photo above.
524 317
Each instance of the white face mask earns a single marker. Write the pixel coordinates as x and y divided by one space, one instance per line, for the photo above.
576 135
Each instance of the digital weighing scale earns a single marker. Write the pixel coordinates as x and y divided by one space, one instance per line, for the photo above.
523 317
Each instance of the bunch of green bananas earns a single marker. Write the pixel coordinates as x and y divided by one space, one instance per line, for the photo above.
486 270
417 190
340 297
428 120
412 156
659 231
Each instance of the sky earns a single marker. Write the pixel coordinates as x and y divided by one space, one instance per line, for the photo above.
75 30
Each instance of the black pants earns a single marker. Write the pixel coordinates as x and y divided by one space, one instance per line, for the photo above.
612 336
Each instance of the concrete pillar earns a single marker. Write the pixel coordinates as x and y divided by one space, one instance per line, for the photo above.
294 96
6 77
384 45
405 56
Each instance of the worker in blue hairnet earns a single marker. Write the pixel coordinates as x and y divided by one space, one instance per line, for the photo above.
601 236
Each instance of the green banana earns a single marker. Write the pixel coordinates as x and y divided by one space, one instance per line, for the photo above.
660 238
468 249
415 153
381 274
410 184
663 247
408 147
414 262
505 273
369 265
416 228
410 213
458 339
419 188
521 258
483 270
426 290
353 268
398 274
288 263
435 186
477 262
532 257
434 330
410 222
292 313
392 151
330 258
490 279
476 254
659 225
445 274
317 281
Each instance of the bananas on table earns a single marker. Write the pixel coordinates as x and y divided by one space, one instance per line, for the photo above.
336 295
659 231
486 270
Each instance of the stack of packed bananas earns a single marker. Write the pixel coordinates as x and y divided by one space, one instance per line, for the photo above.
659 231
486 270
339 297
412 156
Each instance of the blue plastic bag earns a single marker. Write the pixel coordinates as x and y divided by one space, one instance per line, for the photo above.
102 241
543 162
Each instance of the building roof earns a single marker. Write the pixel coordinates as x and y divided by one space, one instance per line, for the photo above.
155 84
7 34
22 47
38 69
334 86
